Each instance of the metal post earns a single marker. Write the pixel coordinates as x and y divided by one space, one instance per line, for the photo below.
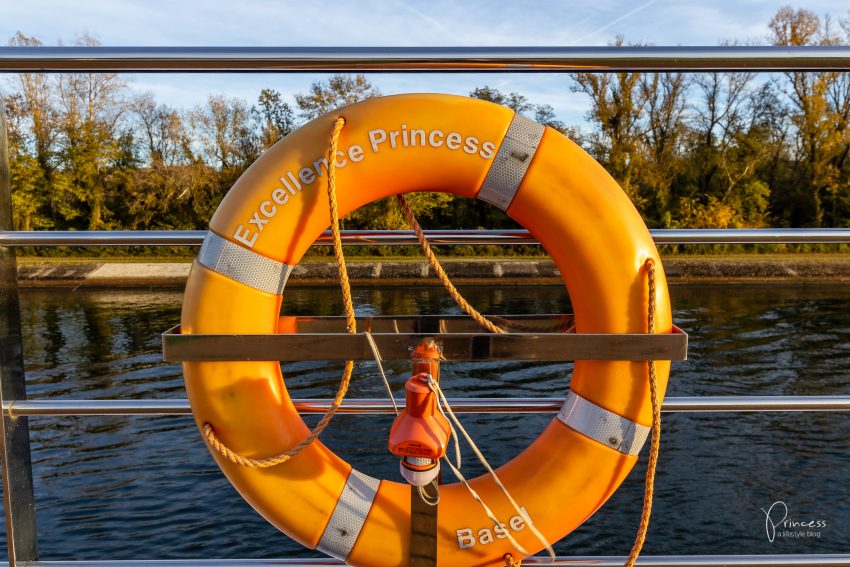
423 516
18 497
423 531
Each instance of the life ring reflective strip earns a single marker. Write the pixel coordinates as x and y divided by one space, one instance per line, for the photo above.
511 162
349 515
603 426
242 265
446 144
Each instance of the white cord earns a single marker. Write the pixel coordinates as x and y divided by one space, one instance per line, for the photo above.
427 498
377 354
451 417
486 508
435 387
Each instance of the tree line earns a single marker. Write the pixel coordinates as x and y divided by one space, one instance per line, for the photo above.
707 150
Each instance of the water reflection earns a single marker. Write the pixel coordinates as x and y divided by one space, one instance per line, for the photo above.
121 488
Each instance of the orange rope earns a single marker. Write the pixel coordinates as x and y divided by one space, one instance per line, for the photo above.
649 485
350 323
441 273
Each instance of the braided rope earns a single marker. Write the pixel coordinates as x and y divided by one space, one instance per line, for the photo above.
441 273
649 485
351 326
494 323
557 327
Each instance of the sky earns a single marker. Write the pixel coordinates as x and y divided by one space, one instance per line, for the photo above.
391 23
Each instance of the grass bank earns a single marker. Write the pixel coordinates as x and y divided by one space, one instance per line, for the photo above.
405 270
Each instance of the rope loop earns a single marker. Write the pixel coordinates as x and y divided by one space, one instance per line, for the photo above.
350 323
649 484
427 498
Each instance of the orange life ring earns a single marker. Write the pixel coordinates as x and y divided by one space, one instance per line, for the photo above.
469 148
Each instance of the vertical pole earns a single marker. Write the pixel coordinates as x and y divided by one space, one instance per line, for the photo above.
423 517
423 532
18 497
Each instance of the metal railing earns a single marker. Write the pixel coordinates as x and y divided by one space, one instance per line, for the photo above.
422 59
382 406
813 560
16 409
408 237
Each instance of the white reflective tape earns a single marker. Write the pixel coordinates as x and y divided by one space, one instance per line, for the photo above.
511 162
349 515
604 426
243 265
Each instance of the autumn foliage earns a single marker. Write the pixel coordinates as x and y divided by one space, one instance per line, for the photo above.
707 150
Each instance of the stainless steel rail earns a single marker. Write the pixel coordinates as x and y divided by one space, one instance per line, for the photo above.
382 406
422 59
813 560
408 237
577 561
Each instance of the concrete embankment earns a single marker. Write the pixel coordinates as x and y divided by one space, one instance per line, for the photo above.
820 268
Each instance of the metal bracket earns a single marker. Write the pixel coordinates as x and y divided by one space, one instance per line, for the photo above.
323 338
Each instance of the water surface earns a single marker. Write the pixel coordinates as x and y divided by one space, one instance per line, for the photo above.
146 488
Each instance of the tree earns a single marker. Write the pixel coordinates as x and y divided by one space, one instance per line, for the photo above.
275 116
227 141
165 188
91 107
821 109
161 131
337 91
717 120
35 133
742 152
545 114
617 106
26 174
225 133
735 133
514 100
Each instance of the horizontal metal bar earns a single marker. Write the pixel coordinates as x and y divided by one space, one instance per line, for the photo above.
422 59
408 237
102 238
812 560
542 323
177 347
382 406
752 236
691 404
97 407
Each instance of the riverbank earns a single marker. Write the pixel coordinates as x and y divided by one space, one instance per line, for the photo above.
803 268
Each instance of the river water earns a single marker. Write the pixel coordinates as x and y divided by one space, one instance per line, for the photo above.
146 488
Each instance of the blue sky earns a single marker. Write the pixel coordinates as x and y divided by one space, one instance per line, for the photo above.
386 22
